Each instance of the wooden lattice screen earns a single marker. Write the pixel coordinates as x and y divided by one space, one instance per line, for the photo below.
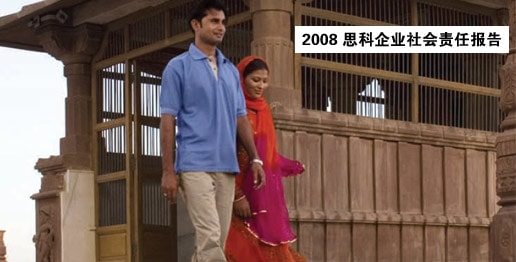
459 90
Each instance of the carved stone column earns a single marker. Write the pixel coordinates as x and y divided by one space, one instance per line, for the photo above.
75 48
503 226
3 250
273 43
65 203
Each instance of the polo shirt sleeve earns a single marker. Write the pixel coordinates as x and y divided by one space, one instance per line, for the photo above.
240 98
171 94
241 110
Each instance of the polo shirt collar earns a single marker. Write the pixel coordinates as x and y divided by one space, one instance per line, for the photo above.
198 54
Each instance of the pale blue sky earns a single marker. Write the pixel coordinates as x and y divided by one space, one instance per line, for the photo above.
32 115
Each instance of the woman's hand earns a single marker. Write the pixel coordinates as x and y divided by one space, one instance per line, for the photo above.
241 208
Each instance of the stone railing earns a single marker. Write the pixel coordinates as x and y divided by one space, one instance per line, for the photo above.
385 190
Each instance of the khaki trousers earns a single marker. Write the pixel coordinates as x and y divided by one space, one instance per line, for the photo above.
209 200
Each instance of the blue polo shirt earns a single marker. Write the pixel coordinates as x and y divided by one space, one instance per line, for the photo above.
206 109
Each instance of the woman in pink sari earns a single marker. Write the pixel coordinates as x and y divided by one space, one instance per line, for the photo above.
260 229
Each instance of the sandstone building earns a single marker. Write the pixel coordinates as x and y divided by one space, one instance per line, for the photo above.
410 157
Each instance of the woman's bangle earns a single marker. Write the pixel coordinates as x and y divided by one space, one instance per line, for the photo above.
238 199
258 161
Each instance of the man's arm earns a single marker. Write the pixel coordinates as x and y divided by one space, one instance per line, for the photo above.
168 141
245 134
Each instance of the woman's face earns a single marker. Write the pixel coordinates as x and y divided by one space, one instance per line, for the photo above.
256 82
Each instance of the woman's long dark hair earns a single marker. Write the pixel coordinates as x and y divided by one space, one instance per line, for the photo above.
254 65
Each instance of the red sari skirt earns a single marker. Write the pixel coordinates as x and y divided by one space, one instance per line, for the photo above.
243 246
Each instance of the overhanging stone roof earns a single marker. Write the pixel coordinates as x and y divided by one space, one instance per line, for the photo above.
15 30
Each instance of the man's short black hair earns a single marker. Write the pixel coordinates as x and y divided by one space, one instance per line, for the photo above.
202 8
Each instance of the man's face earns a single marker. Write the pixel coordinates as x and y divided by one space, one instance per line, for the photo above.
212 27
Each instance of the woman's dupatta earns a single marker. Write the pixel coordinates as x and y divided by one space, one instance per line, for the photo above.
270 222
264 129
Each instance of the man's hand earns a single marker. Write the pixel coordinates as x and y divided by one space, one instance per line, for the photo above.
168 140
241 208
169 186
258 175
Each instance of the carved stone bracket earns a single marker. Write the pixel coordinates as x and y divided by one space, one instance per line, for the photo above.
69 44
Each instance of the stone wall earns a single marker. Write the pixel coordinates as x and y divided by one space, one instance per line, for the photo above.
382 190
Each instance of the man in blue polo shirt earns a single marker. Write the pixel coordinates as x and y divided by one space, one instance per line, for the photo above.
201 88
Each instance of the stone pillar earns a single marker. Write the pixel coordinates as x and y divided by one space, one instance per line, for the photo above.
65 203
75 48
503 226
273 43
3 250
